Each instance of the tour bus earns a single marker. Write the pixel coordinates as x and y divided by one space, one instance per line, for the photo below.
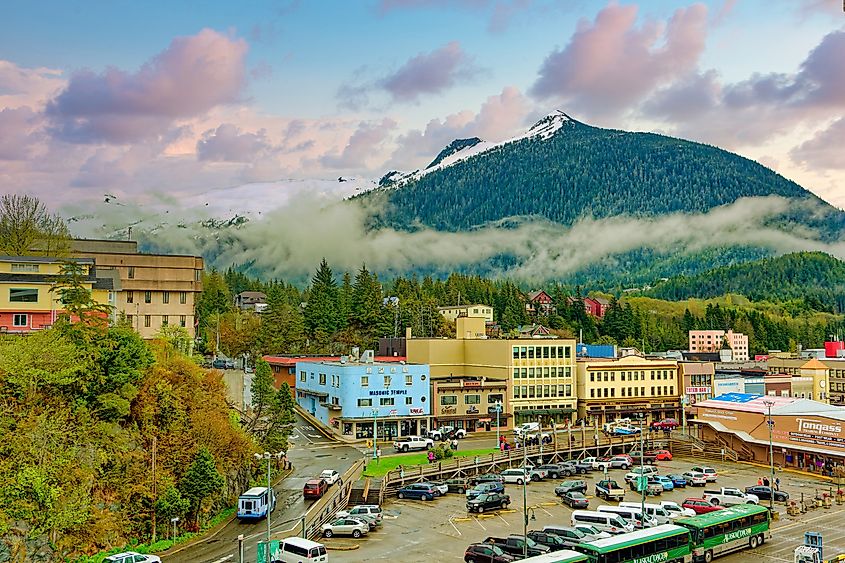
730 529
562 556
256 503
666 543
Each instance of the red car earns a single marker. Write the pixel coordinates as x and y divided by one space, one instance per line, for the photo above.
665 424
701 506
661 455
314 488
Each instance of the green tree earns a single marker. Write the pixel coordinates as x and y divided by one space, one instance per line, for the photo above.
200 481
172 505
27 228
321 312
282 328
77 300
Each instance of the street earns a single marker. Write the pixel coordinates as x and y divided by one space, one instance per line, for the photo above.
309 454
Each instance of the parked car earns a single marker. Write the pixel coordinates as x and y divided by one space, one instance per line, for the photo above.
527 428
330 476
574 499
700 505
440 489
571 536
652 487
413 443
554 470
625 430
608 489
354 527
592 533
486 553
617 462
422 491
458 485
580 467
695 478
668 484
647 470
591 461
314 488
486 478
574 485
447 433
518 476
675 510
484 488
765 493
709 473
132 557
221 363
488 501
660 455
729 496
666 424
642 459
367 512
553 542
678 480
516 545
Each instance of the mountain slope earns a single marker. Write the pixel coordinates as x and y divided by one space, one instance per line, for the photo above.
563 170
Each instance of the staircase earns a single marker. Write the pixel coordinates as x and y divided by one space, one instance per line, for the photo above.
691 446
358 493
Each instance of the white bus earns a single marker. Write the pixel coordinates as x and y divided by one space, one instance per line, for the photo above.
256 503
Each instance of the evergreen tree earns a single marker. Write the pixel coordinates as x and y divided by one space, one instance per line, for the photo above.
200 481
321 312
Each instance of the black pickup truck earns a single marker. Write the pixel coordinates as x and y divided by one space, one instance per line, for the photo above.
515 545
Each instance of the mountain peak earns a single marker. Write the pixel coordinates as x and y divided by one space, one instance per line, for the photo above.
455 146
548 125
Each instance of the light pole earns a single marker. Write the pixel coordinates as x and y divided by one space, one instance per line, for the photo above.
525 478
498 434
375 434
270 496
174 521
684 400
540 423
240 548
642 478
770 423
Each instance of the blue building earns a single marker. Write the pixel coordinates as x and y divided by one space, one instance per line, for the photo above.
347 397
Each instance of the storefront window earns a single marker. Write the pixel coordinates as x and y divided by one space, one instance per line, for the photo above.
472 399
347 428
448 399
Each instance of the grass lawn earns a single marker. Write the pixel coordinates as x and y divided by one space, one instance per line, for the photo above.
410 460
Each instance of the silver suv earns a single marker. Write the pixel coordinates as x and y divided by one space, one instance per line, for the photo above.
367 512
132 557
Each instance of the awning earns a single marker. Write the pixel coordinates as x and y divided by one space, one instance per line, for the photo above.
746 437
545 411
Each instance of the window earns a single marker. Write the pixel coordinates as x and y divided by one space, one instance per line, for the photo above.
23 295
523 352
365 402
567 351
516 373
197 275
449 400
130 296
165 297
554 390
554 351
409 400
147 321
545 352
568 390
182 321
25 268
19 319
164 320
524 393
322 379
386 401
148 297
302 376
592 376
530 391
472 399
365 381
613 391
183 297
546 390
409 380
494 398
531 352
592 393
516 352
387 381
524 372
131 272
531 372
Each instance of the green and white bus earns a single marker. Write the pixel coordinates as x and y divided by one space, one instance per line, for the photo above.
722 531
563 556
667 543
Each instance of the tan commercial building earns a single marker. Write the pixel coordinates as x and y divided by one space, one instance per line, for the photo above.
539 372
452 312
157 290
711 341
610 389
828 375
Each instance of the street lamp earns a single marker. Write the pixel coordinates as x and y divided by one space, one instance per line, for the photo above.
268 456
174 521
498 434
540 423
770 423
642 479
375 434
525 477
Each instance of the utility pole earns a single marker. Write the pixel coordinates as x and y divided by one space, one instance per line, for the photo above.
526 476
155 491
643 478
375 434
770 423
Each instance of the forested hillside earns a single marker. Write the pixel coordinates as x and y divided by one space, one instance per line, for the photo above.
814 277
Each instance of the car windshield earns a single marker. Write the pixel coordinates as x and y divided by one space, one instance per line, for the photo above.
576 495
497 550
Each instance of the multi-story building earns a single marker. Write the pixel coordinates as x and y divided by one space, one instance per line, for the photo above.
157 290
712 340
540 373
349 398
697 380
471 404
452 312
609 389
26 300
540 303
251 301
833 378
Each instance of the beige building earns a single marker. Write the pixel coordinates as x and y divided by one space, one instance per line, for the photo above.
471 404
540 372
609 389
711 341
157 290
816 379
452 312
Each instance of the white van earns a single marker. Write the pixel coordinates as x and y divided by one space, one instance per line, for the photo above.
604 521
675 510
632 515
299 550
660 514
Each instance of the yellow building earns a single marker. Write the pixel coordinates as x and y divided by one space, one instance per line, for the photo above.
610 389
540 373
454 311
26 302
819 379
158 290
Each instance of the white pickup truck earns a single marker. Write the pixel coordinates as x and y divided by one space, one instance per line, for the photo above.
413 443
727 496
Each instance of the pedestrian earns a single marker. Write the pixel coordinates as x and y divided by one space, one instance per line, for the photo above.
760 481
502 446
455 444
765 481
777 483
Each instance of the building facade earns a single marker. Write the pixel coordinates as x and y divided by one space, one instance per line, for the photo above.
471 404
697 379
350 398
157 290
27 300
833 377
452 312
712 341
610 389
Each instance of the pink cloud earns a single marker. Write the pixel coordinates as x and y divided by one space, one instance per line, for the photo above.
20 86
228 143
191 76
429 73
19 133
824 150
611 64
363 145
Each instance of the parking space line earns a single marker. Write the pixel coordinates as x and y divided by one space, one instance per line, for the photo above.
480 524
456 528
503 520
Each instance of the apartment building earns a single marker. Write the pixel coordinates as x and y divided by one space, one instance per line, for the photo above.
609 389
157 289
452 312
27 303
539 372
817 379
712 340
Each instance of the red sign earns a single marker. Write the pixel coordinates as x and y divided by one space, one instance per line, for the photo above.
417 411
471 383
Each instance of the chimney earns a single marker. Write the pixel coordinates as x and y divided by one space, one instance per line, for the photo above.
407 333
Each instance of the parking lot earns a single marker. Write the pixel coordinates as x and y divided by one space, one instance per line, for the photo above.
441 529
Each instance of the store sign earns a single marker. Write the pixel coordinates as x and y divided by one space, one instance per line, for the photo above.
472 410
388 392
471 383
698 390
449 409
417 411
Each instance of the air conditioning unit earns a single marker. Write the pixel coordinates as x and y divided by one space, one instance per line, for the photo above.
367 357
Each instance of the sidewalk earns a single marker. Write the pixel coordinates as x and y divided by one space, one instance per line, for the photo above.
789 470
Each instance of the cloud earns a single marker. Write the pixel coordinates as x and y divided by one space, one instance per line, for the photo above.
609 65
228 143
429 73
362 146
824 150
191 76
32 87
19 133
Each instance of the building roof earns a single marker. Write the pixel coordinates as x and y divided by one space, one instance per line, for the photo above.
750 402
44 259
293 360
814 364
602 300
253 294
535 294
462 306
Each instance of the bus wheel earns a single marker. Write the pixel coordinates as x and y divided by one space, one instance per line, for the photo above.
762 539
708 556
753 542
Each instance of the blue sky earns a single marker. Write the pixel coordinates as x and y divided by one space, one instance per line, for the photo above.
142 99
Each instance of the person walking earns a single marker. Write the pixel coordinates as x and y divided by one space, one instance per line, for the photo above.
777 483
760 481
765 481
454 444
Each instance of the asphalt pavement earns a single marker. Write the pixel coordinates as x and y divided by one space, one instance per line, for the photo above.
310 453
